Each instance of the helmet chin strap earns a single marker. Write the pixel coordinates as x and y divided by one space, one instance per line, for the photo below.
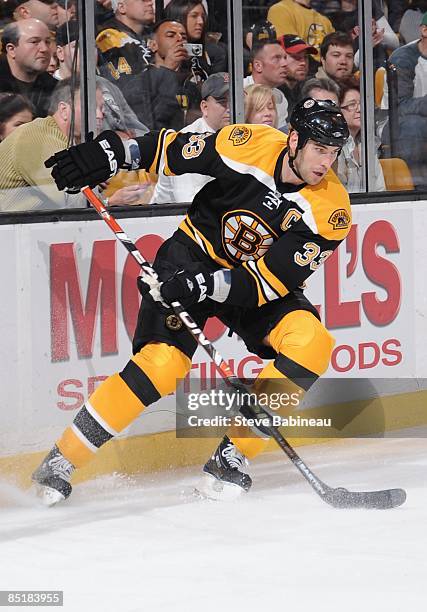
291 159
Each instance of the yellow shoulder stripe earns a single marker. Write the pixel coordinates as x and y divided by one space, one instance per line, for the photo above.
330 206
252 146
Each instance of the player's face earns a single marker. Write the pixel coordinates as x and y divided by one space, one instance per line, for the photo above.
196 22
314 161
296 66
216 111
338 62
267 115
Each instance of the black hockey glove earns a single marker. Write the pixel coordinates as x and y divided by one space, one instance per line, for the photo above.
187 287
88 163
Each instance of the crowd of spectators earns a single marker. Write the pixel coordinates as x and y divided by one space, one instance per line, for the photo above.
171 70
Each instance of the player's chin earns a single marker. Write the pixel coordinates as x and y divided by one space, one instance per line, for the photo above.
314 178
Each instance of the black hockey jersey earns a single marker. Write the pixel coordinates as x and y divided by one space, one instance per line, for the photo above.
123 52
272 235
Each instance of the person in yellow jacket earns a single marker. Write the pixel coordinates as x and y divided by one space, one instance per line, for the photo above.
297 17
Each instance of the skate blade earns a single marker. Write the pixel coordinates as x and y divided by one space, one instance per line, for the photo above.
211 488
48 496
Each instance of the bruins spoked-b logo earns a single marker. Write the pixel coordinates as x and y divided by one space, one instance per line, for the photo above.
173 322
245 236
240 135
340 219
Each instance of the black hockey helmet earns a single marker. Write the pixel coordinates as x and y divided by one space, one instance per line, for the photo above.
321 121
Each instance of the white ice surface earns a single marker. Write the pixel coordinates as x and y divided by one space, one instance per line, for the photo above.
146 544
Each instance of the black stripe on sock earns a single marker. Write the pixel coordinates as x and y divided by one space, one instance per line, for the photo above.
140 384
294 371
91 429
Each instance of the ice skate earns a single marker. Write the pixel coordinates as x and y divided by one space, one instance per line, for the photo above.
223 478
52 478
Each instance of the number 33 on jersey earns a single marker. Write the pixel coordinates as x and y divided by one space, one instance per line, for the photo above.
272 235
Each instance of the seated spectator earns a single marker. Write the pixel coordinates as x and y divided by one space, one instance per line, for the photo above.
297 63
215 115
192 14
45 10
269 68
321 89
326 7
122 41
337 57
297 17
26 52
14 111
103 12
347 20
118 115
409 29
25 182
349 167
162 94
252 35
67 11
412 104
260 105
395 10
53 64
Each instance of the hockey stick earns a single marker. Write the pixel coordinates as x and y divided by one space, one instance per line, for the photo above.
338 497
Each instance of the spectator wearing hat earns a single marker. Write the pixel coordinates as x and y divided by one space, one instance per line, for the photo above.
253 35
409 28
215 115
269 68
411 63
297 17
26 53
45 10
123 40
118 115
297 66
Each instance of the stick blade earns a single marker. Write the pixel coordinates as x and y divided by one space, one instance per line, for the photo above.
380 500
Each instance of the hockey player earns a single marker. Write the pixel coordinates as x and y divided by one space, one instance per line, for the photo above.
251 237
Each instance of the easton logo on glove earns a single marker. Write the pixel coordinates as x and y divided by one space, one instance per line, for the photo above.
111 157
188 287
202 286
